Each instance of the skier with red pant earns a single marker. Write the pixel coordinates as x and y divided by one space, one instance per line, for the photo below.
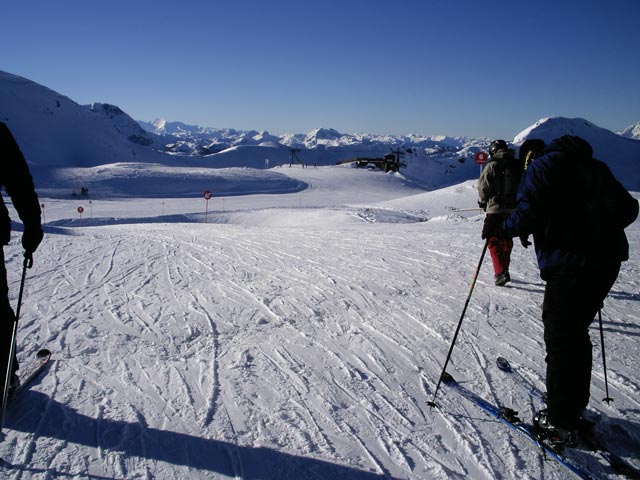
497 188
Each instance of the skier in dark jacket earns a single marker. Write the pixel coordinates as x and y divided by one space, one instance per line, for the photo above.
18 183
497 189
577 212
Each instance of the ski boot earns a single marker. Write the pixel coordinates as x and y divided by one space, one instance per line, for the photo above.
556 437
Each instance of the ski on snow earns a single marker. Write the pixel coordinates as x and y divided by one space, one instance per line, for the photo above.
30 370
590 441
28 373
508 417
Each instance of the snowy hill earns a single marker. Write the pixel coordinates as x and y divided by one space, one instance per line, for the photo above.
54 131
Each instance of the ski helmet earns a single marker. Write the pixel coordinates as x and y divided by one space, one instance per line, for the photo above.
497 145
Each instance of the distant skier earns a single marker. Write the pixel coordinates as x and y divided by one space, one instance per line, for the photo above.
18 183
497 189
577 212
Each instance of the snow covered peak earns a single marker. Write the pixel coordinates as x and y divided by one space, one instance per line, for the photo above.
632 131
325 134
554 127
159 123
620 153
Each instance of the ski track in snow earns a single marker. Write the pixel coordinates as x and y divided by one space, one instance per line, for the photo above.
229 351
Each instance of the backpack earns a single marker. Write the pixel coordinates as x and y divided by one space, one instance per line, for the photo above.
600 210
509 174
530 149
608 207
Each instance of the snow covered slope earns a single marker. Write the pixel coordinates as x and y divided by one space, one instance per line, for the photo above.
288 336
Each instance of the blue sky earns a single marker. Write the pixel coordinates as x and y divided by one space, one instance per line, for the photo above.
449 67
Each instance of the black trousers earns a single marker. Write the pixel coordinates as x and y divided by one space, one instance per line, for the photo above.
7 317
571 302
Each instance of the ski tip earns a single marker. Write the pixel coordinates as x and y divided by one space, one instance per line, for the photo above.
503 364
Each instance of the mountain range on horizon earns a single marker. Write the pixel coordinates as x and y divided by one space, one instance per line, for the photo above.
55 132
328 137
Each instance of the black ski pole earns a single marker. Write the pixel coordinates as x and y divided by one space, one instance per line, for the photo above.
28 263
433 403
607 398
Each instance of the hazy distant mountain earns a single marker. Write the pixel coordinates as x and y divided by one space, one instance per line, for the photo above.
194 138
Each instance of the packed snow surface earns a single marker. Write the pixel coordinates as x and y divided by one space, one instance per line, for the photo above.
297 334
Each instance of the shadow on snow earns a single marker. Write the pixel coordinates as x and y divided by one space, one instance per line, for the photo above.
44 417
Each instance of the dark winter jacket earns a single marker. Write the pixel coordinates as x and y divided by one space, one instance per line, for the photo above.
492 183
574 207
17 181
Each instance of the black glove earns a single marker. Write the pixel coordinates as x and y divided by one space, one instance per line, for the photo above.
31 238
493 226
482 205
524 240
